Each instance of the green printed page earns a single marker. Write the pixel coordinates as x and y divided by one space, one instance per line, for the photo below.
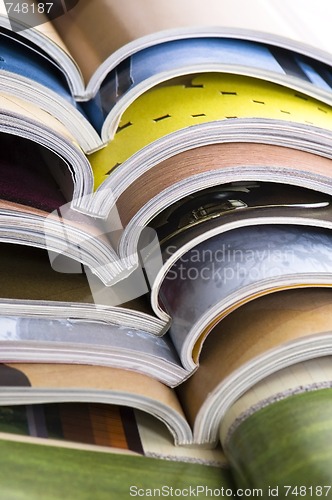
31 471
285 449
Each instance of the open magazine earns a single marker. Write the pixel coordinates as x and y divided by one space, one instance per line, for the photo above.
265 363
262 113
165 227
214 265
131 52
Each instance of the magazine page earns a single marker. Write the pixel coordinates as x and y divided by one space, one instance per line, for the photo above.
132 20
40 383
36 18
230 269
40 471
28 275
284 420
241 348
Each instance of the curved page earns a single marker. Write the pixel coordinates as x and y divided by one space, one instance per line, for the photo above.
222 273
255 341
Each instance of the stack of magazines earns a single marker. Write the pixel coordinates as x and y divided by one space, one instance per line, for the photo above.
166 241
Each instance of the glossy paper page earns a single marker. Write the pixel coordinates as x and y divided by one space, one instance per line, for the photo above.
120 23
223 272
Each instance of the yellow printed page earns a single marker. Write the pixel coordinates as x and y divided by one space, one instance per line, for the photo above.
94 29
204 98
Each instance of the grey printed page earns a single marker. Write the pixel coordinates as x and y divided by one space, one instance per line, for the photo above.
230 267
82 341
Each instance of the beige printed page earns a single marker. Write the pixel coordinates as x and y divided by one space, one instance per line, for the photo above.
44 27
15 106
158 443
69 377
38 382
93 30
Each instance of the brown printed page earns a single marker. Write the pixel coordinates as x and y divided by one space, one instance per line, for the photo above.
98 427
214 157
